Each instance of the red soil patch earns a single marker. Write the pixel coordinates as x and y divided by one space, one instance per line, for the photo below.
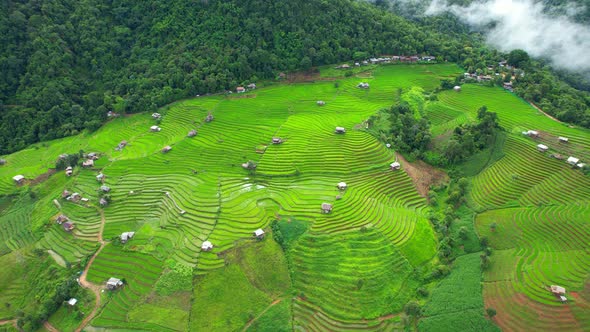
307 76
242 96
548 318
43 177
422 174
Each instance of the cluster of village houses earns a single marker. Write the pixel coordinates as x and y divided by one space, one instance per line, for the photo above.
575 162
503 66
390 59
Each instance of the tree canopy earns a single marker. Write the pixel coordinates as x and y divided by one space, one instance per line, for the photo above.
64 64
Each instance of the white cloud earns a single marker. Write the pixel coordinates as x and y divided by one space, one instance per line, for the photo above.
522 24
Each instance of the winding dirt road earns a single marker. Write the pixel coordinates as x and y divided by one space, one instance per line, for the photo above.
8 321
49 327
96 289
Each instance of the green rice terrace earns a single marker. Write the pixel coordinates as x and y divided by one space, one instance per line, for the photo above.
265 218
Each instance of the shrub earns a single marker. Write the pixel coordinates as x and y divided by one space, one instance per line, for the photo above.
485 261
491 312
413 308
423 292
463 232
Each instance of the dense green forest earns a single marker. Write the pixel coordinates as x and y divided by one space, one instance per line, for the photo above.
65 64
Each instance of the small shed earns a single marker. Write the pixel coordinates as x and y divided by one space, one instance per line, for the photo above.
206 246
84 199
240 89
167 148
192 133
277 140
457 88
61 219
75 197
105 189
251 86
562 298
388 145
88 163
249 165
68 226
114 283
581 165
563 139
259 233
2 161
156 116
320 103
103 202
155 128
93 156
340 130
363 85
557 290
100 177
542 147
69 170
531 133
341 185
573 161
121 146
126 236
209 117
72 302
19 179
327 207
395 166
65 194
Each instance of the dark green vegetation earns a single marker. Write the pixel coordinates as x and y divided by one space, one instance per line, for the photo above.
457 300
64 64
468 139
393 253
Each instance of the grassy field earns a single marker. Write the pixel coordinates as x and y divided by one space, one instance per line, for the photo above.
352 269
458 300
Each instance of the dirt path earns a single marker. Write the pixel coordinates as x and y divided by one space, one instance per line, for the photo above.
275 302
547 115
49 327
96 289
422 174
8 321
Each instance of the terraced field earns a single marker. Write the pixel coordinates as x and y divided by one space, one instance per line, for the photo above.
351 269
199 192
538 247
540 207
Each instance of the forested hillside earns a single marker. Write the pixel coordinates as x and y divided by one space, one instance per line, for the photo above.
65 63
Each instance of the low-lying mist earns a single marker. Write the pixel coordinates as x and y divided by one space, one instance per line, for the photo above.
525 24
